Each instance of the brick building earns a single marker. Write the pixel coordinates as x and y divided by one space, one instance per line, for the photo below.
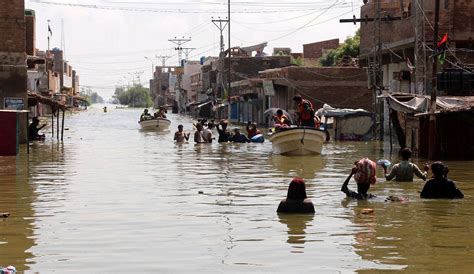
313 51
341 87
407 64
13 70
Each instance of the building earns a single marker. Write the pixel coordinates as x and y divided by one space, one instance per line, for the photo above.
166 85
406 62
341 87
313 51
13 69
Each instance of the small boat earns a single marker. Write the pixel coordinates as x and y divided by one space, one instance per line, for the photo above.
298 141
155 124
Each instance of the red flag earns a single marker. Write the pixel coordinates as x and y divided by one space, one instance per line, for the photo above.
443 41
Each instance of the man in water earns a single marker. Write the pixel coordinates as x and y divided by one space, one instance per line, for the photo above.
404 171
33 130
440 187
239 138
207 133
305 112
224 134
198 137
180 136
364 171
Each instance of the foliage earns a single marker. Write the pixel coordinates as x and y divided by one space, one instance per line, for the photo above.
91 97
350 47
297 62
136 96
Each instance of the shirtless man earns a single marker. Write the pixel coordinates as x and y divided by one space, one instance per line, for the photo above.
180 136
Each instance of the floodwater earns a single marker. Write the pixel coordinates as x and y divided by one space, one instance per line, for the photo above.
113 198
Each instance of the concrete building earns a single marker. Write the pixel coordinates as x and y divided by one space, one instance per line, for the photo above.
13 69
166 84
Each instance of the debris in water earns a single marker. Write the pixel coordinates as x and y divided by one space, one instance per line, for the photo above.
4 215
200 192
367 211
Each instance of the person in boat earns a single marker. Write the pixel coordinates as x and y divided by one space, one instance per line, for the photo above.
404 171
207 133
224 134
281 119
440 187
252 130
239 138
296 199
305 112
34 128
364 175
145 115
180 136
198 135
162 113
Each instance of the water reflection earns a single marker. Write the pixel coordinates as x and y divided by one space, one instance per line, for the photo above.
296 225
124 195
16 231
303 166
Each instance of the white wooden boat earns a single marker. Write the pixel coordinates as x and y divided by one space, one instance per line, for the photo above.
297 141
155 124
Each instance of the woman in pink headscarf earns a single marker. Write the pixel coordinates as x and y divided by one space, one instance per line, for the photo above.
364 175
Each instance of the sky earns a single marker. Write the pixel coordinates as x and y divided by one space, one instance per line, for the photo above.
106 41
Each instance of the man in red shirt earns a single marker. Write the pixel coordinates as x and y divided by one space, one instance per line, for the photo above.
305 112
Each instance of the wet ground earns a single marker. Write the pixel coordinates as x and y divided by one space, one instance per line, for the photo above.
113 198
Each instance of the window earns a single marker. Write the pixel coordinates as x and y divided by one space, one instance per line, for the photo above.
446 4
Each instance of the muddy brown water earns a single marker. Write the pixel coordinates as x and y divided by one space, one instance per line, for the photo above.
113 198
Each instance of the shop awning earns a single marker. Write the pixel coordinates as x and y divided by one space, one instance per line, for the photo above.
47 101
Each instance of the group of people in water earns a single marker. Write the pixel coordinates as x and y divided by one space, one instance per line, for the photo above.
159 114
363 171
204 133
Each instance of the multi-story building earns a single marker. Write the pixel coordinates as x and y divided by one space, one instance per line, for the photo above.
13 76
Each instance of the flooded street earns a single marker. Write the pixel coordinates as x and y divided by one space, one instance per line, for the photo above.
114 198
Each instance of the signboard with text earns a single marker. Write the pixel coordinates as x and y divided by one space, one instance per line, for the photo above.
268 89
14 103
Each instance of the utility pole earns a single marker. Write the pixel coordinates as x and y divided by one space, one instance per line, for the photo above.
378 73
420 49
220 24
187 51
49 32
179 42
163 58
229 64
375 62
152 66
432 122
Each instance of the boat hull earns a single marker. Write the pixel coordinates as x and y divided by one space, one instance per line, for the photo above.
155 124
298 141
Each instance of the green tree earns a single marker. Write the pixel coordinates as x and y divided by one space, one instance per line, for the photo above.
350 47
136 96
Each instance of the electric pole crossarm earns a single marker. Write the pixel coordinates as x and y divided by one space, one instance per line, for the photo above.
366 19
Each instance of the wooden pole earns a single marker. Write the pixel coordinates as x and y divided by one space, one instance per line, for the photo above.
62 126
52 122
432 121
57 125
